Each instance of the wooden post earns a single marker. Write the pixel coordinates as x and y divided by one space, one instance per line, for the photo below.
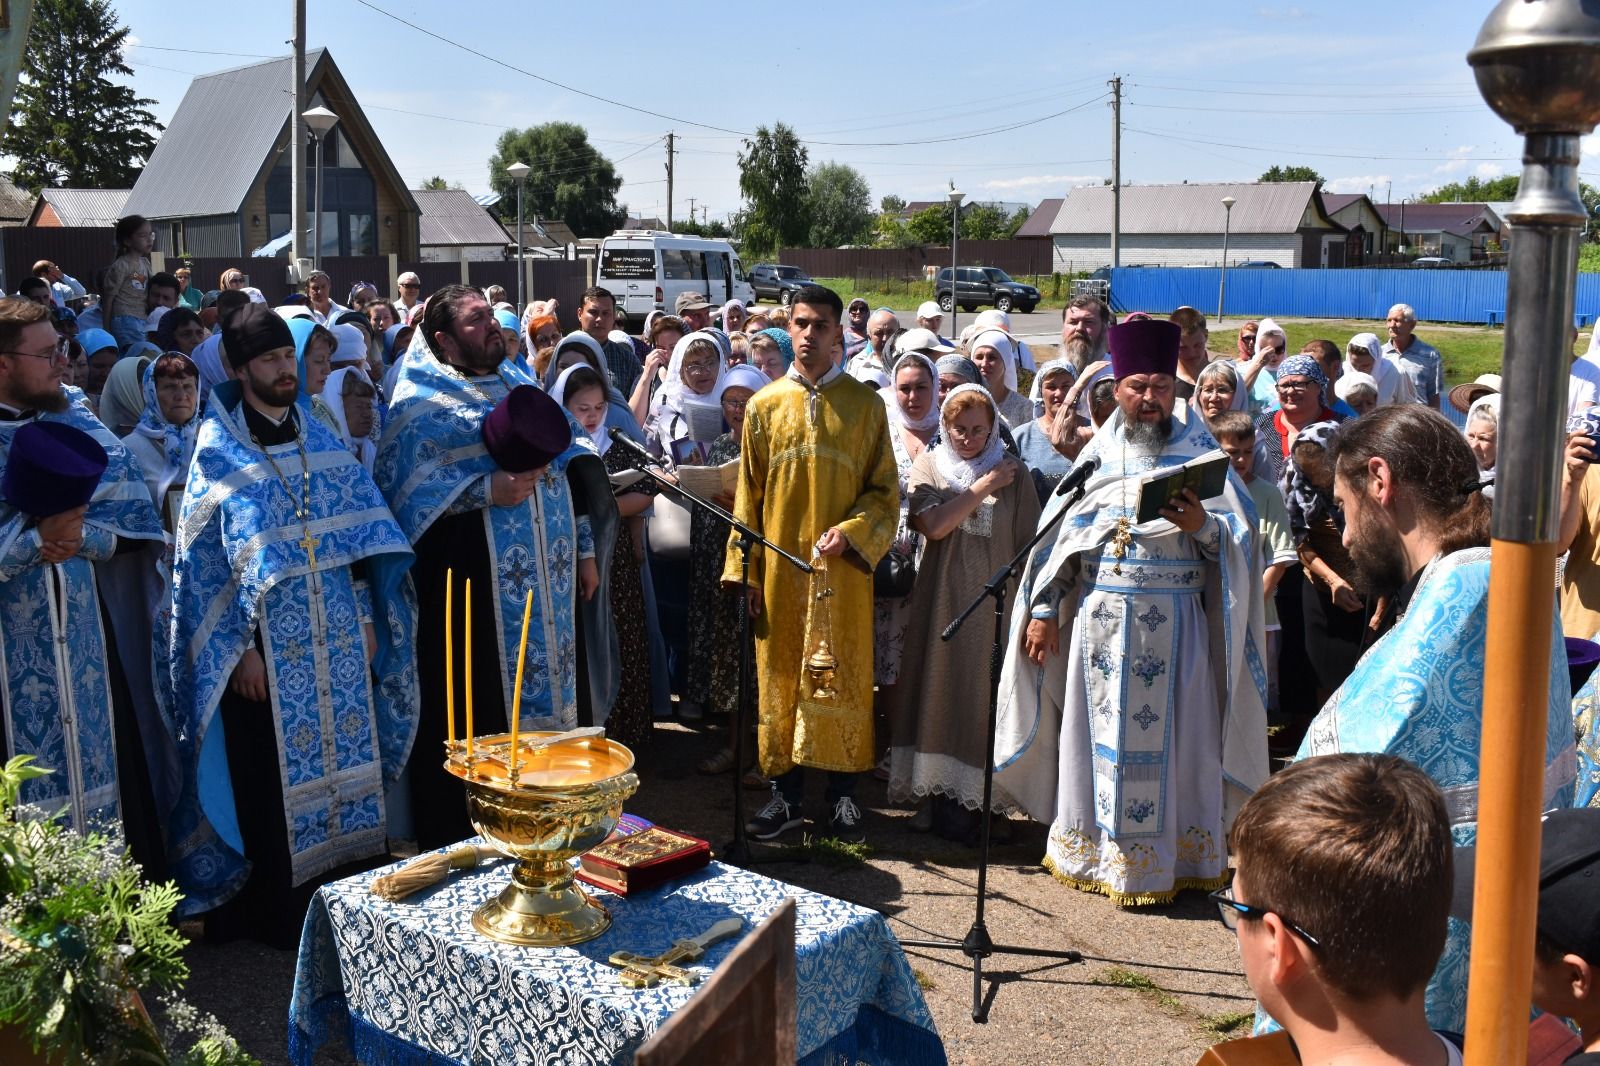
394 276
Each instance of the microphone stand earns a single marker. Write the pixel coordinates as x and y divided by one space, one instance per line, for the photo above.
977 944
737 852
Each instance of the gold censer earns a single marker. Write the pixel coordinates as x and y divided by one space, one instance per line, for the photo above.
821 663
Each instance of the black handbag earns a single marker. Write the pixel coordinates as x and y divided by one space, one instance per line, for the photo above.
894 576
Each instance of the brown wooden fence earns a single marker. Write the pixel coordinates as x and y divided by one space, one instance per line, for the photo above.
82 251
1014 257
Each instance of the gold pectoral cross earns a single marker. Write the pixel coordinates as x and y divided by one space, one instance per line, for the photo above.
1119 543
310 544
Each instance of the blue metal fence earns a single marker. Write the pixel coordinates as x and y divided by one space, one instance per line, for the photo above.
1437 295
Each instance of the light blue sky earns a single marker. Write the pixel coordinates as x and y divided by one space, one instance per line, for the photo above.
1368 93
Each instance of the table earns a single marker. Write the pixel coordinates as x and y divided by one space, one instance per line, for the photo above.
412 982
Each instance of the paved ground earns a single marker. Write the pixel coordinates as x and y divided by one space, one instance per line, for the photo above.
1152 984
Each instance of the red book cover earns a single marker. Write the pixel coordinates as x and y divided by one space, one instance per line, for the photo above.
643 860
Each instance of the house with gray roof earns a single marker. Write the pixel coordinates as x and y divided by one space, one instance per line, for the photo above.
218 181
1359 216
1459 232
454 228
1182 225
78 207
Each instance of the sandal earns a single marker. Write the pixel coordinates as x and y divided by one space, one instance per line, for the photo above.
719 763
755 782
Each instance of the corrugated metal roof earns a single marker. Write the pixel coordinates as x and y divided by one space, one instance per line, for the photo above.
1461 219
1038 224
86 207
217 142
15 203
1260 207
453 217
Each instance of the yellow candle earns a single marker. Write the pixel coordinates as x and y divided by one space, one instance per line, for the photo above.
516 699
449 659
469 675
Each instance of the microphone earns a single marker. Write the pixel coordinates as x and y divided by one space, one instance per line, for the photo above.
632 447
1073 481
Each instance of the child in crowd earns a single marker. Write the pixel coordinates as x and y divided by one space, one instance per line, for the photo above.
125 289
1236 433
1566 949
1358 390
1341 897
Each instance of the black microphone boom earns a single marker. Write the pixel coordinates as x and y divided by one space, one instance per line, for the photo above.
1073 481
632 447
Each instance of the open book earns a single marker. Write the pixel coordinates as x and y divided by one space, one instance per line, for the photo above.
1206 474
708 481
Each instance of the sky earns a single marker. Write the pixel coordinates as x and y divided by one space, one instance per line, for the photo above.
1008 101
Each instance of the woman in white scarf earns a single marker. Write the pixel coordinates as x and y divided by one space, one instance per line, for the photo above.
686 408
335 397
122 399
1260 375
976 506
912 403
1365 353
996 355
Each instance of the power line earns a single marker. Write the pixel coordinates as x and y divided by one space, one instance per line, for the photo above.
1172 136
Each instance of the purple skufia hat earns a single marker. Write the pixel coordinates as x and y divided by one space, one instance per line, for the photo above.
52 467
1144 346
526 430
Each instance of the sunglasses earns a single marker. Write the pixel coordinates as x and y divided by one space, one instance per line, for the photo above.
1232 912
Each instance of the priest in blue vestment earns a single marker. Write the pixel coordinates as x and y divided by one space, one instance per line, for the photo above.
290 650
72 498
508 526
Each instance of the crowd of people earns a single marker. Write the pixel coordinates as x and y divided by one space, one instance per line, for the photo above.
230 529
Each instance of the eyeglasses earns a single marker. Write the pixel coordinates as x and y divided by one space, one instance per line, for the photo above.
734 406
1232 912
704 368
63 346
969 434
1294 386
410 285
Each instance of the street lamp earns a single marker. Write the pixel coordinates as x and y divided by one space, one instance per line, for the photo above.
1403 201
956 196
1227 226
319 120
1537 65
519 173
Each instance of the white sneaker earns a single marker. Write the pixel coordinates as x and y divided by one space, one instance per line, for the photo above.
846 821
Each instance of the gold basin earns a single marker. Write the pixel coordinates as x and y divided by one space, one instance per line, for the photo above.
565 800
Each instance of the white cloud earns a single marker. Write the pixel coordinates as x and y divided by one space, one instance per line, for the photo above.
1360 183
1035 181
1488 170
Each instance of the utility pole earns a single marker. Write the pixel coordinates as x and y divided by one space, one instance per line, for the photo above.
669 180
705 219
297 140
1116 171
691 210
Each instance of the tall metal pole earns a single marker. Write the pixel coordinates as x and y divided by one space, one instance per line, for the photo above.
1537 64
521 270
1227 226
297 140
955 270
1116 172
316 222
670 138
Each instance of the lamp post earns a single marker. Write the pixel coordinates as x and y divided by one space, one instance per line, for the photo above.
1227 226
1537 65
956 196
319 120
1402 246
519 173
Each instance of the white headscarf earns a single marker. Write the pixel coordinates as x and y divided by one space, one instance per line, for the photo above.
964 473
333 397
1350 380
352 344
1002 343
1390 379
998 319
1267 326
122 398
558 393
891 395
1241 395
1491 404
732 303
673 394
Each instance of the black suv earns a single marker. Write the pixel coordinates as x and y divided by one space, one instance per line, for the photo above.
773 282
976 286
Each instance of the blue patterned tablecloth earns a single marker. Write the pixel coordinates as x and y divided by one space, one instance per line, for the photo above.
412 982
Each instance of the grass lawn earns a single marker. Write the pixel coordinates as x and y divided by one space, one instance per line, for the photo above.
1468 350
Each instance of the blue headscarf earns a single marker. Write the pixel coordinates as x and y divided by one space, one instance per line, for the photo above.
302 330
96 340
389 335
508 320
1304 366
785 345
177 442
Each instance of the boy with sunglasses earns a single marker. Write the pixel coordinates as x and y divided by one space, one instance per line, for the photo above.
1340 898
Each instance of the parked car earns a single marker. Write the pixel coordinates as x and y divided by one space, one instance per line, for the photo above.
1432 261
646 271
774 282
1260 263
977 286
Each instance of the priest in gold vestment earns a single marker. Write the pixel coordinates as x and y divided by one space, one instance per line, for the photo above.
817 477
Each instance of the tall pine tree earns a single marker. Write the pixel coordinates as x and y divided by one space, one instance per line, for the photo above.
71 124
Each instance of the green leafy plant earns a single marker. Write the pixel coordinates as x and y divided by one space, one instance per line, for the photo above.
80 935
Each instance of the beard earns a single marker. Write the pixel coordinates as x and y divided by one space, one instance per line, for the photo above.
484 357
1378 556
1145 434
272 391
1080 352
46 401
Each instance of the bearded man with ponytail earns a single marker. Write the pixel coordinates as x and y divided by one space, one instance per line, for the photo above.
1417 528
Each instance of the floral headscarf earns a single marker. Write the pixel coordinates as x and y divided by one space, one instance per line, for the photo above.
1307 503
780 337
1305 366
177 442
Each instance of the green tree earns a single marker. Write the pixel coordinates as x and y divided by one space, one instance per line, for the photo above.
931 225
570 180
772 180
1494 190
438 184
889 230
714 228
840 207
891 205
983 222
1295 173
1016 223
71 124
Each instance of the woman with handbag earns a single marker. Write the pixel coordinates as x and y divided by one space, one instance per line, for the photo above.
912 400
976 506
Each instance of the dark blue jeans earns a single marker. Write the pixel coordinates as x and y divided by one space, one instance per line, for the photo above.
792 786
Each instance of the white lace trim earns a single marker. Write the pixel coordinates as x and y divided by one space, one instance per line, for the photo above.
914 774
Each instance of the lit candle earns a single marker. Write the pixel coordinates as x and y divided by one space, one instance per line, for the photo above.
449 660
516 699
469 675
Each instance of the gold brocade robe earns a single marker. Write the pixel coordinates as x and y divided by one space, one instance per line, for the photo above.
813 459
